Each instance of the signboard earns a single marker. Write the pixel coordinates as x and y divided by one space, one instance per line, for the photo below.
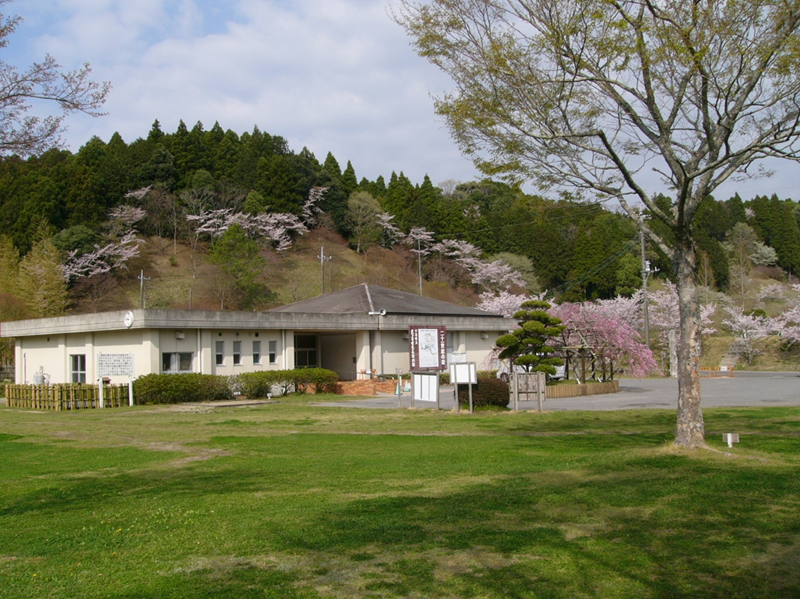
115 365
463 374
428 348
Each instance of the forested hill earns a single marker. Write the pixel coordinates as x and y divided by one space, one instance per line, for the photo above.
582 251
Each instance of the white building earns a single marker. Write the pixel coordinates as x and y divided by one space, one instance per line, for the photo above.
356 332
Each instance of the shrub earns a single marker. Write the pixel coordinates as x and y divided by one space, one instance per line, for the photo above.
444 378
259 384
323 380
180 388
488 392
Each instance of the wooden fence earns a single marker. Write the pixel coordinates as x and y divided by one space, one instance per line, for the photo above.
65 397
562 391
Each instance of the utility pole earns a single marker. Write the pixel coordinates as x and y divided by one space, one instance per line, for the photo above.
322 259
142 279
419 265
645 275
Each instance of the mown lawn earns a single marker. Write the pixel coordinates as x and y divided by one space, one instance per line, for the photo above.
293 500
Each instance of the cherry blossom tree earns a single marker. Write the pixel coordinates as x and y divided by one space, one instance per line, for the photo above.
504 302
311 209
612 339
748 329
788 323
494 275
276 228
419 238
665 313
390 233
103 259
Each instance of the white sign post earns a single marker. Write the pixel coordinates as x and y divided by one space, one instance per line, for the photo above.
116 365
464 373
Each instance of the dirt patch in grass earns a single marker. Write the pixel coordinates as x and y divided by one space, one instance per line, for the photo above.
353 575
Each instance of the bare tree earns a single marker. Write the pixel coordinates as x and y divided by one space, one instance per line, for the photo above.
73 91
596 96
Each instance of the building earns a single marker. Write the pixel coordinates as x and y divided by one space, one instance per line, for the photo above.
357 332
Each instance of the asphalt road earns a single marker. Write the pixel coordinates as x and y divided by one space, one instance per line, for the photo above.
744 389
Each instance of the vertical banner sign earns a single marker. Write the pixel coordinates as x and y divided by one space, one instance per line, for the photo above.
427 348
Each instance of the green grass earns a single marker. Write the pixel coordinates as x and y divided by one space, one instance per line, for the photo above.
293 500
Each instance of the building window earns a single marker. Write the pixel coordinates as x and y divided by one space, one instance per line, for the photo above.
220 353
273 352
256 352
173 362
78 362
237 353
305 351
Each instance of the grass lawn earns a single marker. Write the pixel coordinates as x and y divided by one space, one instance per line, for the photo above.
292 500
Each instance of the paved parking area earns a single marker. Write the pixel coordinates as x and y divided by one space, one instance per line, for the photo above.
744 389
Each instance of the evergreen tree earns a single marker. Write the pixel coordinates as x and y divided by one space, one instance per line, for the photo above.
529 345
41 280
349 180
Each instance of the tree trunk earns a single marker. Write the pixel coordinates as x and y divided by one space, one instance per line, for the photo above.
690 431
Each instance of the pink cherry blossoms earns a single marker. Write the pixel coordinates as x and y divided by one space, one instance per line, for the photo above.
608 333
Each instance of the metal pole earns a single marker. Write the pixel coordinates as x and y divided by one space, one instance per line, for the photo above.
322 259
142 279
645 274
419 264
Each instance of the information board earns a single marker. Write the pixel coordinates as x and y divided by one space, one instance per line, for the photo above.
115 365
428 348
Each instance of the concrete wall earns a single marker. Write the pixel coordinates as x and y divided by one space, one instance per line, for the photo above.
53 354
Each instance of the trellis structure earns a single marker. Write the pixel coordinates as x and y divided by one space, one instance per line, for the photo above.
584 364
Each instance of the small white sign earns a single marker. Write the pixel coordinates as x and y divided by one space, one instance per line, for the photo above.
425 387
463 374
115 365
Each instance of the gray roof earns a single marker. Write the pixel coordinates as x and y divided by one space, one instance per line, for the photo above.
365 299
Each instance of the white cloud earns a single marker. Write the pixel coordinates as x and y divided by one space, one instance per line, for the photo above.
333 75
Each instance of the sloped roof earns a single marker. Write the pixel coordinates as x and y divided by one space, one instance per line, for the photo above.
363 299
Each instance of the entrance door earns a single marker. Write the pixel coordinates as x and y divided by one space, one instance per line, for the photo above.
305 351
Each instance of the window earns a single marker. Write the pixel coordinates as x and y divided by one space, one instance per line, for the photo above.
172 362
273 352
220 353
78 362
305 351
237 353
256 352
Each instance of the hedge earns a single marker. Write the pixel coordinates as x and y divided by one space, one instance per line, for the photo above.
260 384
487 392
180 388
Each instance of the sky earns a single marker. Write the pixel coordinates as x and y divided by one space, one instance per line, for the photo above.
330 75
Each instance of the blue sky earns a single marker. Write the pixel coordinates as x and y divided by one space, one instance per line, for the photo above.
332 75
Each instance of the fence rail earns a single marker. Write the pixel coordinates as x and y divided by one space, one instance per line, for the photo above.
65 397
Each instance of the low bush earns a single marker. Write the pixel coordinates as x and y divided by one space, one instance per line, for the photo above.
488 392
320 379
180 388
260 384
